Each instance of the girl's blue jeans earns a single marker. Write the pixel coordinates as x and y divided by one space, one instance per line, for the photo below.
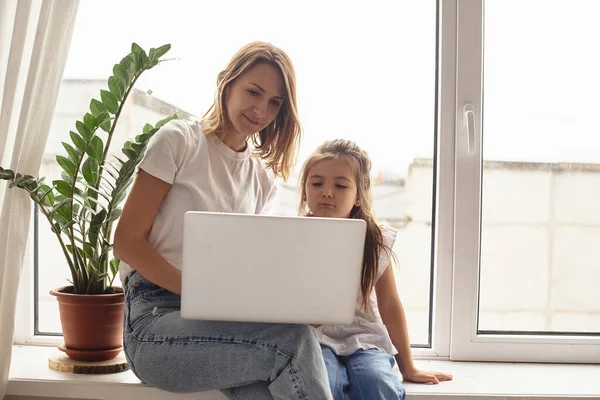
244 360
364 375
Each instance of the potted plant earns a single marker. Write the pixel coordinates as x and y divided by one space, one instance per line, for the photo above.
82 207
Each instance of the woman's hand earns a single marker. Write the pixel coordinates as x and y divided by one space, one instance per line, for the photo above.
431 377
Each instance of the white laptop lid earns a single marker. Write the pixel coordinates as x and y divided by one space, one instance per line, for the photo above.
258 268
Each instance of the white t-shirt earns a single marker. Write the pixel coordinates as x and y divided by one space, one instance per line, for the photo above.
206 176
366 331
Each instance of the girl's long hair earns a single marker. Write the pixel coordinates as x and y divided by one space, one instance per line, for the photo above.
358 159
277 144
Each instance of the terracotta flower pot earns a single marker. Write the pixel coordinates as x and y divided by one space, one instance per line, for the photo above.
92 324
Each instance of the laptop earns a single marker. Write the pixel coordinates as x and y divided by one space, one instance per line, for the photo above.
280 269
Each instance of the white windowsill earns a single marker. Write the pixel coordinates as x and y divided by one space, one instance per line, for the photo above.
31 376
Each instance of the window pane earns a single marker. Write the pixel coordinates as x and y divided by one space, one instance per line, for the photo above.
541 180
364 73
72 104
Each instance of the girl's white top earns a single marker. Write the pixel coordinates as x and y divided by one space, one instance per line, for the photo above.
367 331
205 175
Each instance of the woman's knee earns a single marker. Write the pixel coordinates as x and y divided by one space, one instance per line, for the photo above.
293 338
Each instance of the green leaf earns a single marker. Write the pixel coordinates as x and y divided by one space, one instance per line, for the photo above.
78 141
60 219
143 137
135 48
89 120
116 87
121 74
110 185
67 165
152 56
95 148
39 186
114 265
138 147
97 192
115 214
47 196
28 182
58 206
162 122
110 101
147 128
143 60
67 226
120 161
103 120
95 226
16 180
63 188
107 169
162 50
66 177
89 250
90 171
84 130
130 154
102 117
81 253
96 203
106 126
96 107
131 64
6 174
76 210
74 155
119 196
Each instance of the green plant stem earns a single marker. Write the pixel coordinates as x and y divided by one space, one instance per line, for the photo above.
41 207
104 266
112 128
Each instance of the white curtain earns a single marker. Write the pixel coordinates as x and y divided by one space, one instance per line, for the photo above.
34 42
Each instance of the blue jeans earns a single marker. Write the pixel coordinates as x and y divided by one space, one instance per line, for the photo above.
244 360
364 375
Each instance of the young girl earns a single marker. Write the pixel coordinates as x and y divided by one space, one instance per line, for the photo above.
211 166
335 183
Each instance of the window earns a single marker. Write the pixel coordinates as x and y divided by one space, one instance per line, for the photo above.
485 161
366 74
527 177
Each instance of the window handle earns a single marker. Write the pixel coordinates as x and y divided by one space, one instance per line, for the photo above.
469 121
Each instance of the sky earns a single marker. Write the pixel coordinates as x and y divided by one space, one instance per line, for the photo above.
366 70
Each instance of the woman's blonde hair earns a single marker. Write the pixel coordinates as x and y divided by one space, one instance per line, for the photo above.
277 144
359 161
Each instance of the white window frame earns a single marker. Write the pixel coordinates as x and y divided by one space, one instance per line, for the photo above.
24 314
467 343
456 246
444 170
443 212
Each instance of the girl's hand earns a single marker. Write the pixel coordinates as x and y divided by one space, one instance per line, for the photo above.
430 377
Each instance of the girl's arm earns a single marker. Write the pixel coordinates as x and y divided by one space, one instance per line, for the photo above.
394 319
131 244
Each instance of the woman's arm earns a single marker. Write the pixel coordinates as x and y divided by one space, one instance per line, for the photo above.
393 316
131 244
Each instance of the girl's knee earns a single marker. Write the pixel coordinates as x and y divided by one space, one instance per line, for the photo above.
391 387
380 385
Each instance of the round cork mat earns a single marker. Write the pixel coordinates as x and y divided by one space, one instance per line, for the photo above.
59 361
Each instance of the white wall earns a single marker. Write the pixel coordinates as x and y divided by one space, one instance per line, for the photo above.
540 251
